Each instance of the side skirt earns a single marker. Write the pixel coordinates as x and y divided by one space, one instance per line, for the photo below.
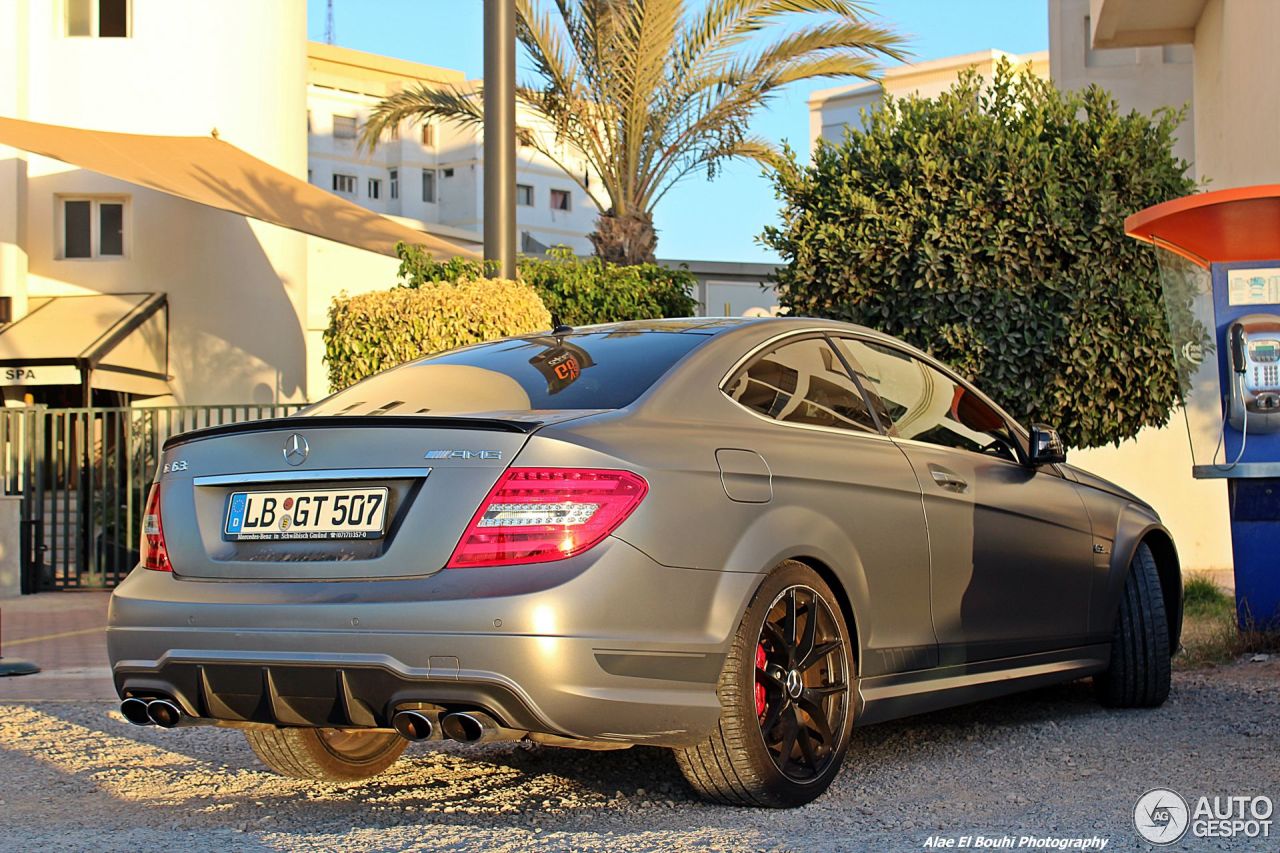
888 697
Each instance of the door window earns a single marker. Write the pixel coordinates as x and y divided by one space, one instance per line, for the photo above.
802 382
925 404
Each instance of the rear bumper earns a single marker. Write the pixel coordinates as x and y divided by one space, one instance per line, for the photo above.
606 646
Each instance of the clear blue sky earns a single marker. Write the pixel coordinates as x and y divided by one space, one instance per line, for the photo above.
700 219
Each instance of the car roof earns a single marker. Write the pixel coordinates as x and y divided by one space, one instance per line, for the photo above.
723 325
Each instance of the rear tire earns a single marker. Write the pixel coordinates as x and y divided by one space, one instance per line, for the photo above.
1141 665
329 755
786 699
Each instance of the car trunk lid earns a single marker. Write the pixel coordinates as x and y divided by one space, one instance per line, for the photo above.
428 474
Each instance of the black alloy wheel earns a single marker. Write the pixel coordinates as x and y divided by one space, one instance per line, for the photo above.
802 683
786 698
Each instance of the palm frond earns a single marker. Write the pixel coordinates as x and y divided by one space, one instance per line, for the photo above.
649 91
416 105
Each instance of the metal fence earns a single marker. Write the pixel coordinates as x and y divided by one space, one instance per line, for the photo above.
83 476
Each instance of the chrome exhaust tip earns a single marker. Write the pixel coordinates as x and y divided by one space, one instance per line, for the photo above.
164 713
466 726
477 727
413 725
135 711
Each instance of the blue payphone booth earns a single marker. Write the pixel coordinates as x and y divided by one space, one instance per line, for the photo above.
1219 256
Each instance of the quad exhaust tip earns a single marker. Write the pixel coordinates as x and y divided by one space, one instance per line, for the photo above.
477 727
163 713
158 712
467 726
135 711
413 725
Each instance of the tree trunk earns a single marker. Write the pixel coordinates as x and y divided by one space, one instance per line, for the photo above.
625 239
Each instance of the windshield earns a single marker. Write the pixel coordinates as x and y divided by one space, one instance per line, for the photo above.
580 370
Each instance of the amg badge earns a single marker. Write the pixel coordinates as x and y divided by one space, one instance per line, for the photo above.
464 454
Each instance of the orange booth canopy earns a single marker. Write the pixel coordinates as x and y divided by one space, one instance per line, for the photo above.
1238 224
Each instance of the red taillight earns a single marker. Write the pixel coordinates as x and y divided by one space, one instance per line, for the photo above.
155 555
535 515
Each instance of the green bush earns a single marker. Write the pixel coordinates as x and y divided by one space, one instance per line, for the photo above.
1201 596
374 331
986 226
577 291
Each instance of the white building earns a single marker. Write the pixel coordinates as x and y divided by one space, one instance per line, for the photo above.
433 174
832 110
1143 78
244 301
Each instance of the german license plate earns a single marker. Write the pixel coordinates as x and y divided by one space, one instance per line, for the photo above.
307 514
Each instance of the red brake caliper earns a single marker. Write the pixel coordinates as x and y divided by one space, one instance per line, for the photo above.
761 663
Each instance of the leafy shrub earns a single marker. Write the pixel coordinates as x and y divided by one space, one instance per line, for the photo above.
986 226
577 291
1201 596
374 331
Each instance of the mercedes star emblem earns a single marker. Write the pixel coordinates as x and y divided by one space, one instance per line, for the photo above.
296 450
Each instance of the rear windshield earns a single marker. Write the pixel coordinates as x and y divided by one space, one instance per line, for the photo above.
584 370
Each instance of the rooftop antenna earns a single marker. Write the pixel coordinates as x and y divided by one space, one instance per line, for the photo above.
328 23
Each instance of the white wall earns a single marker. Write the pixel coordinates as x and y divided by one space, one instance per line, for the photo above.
336 269
236 288
1140 78
1237 80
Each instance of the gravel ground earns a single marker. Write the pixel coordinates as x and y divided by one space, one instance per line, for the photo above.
75 776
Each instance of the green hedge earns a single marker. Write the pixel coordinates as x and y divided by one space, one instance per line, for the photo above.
577 291
987 226
374 331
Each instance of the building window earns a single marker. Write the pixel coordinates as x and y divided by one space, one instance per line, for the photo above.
375 188
428 136
448 173
100 18
561 200
429 185
524 195
92 227
393 183
345 184
344 127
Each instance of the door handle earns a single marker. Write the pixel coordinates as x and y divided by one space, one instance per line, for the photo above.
948 479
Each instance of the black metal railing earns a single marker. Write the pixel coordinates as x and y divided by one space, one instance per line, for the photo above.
83 476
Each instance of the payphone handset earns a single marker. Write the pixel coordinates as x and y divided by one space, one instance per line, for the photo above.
1254 345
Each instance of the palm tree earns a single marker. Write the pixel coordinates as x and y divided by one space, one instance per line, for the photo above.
649 91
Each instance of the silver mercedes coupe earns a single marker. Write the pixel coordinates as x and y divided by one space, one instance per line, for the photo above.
737 538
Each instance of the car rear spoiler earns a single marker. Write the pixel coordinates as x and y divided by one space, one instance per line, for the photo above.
298 422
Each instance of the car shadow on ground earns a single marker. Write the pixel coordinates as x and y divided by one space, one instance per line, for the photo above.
502 784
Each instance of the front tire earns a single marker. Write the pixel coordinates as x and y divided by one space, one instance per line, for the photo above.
785 697
329 755
1141 665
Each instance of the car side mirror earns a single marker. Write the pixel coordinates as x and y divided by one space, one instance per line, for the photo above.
1046 447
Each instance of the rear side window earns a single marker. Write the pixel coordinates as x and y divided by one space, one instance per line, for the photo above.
585 370
927 405
802 382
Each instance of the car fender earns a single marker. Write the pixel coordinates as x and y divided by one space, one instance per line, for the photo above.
1137 524
771 539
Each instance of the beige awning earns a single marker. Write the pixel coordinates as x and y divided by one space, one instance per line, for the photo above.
216 173
113 341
